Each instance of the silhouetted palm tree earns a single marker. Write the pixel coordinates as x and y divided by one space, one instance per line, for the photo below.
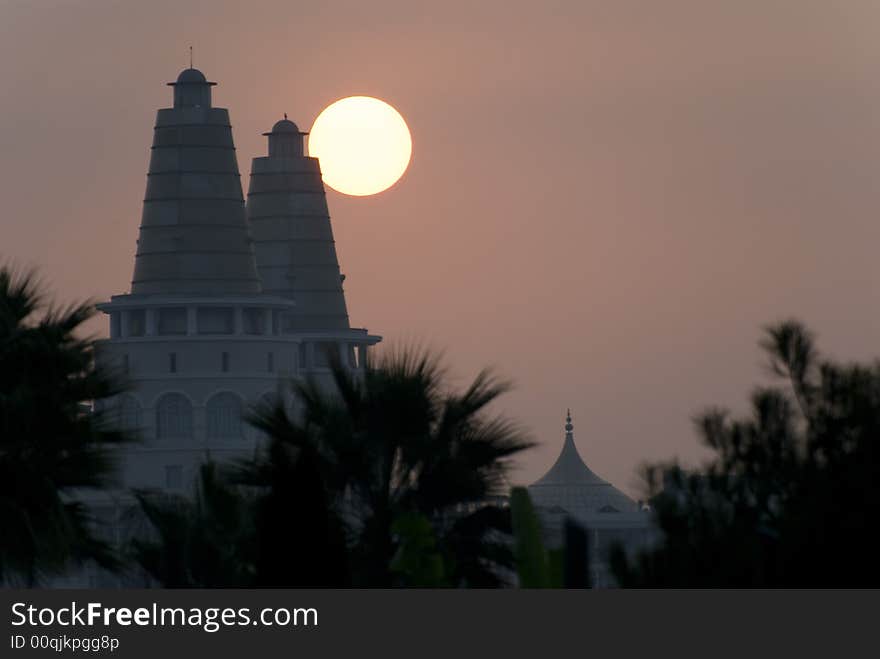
52 445
300 539
793 493
390 445
203 541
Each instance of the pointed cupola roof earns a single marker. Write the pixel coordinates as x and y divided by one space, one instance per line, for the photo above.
572 486
194 237
569 467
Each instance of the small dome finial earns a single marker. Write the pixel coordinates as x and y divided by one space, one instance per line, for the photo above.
192 89
285 139
568 426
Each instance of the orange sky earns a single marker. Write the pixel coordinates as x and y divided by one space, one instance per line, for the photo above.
606 199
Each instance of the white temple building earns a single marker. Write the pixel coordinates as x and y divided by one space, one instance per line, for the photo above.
571 489
228 300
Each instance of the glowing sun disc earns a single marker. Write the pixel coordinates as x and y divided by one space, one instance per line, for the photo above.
363 144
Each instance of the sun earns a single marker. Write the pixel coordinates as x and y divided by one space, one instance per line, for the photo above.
363 144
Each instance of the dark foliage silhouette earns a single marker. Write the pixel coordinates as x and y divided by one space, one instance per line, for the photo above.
399 463
538 566
203 541
793 492
299 535
52 446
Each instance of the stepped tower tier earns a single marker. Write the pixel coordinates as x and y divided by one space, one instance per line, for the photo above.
194 237
293 239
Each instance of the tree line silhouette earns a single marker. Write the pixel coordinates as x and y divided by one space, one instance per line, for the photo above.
394 480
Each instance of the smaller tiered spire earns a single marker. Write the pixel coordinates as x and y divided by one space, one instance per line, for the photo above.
293 239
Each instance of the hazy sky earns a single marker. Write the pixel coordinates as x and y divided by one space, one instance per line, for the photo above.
606 201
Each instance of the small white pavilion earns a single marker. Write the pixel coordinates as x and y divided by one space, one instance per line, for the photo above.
570 489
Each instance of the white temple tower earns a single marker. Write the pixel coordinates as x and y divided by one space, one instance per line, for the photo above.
194 236
198 337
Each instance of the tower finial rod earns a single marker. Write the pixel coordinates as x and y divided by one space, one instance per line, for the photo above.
190 57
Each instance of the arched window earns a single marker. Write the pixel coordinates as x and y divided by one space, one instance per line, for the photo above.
174 418
224 416
129 411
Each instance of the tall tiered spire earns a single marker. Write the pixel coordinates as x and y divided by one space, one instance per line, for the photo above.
194 236
293 239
